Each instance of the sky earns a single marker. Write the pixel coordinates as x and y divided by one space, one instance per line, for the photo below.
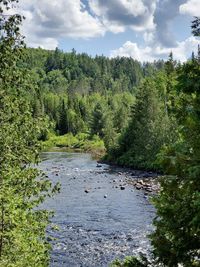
145 30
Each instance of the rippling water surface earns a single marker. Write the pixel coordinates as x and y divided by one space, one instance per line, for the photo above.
98 226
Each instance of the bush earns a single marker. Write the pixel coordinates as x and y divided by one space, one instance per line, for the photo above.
131 262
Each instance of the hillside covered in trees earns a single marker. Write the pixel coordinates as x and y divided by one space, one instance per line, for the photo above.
75 90
146 116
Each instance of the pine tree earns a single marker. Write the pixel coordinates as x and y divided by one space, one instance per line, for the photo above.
170 70
97 122
63 124
196 26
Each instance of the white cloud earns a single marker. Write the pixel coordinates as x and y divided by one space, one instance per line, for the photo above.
149 37
45 43
191 7
166 11
130 49
116 15
184 49
182 52
135 8
48 21
113 27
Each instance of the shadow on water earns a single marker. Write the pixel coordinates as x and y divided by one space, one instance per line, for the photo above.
98 221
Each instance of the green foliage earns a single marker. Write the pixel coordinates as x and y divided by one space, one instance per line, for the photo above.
67 140
145 118
176 239
79 142
81 82
148 130
164 130
130 262
97 123
22 187
63 123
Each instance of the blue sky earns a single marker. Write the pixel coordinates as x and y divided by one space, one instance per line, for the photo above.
143 29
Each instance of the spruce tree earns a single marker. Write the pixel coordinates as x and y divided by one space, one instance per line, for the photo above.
63 124
98 120
147 130
196 26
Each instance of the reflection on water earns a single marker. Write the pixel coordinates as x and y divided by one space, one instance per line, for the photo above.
98 226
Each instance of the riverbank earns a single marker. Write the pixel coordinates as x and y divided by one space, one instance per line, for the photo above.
142 180
79 143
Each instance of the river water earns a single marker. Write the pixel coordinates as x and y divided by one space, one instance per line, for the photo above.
98 226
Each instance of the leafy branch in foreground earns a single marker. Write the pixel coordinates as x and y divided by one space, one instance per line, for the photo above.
131 262
22 187
176 239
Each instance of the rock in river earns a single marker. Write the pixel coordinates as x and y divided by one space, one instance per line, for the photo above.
87 191
99 165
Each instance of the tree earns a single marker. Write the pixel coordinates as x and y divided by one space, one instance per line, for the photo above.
110 134
147 130
97 122
54 60
63 123
57 83
196 26
22 187
176 239
170 94
131 262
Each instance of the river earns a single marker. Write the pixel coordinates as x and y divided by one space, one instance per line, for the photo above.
97 221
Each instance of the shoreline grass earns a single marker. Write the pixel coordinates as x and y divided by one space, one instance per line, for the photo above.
80 143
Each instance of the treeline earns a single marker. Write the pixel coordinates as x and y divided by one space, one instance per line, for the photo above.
79 93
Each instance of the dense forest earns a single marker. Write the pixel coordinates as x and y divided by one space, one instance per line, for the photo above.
81 94
144 116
